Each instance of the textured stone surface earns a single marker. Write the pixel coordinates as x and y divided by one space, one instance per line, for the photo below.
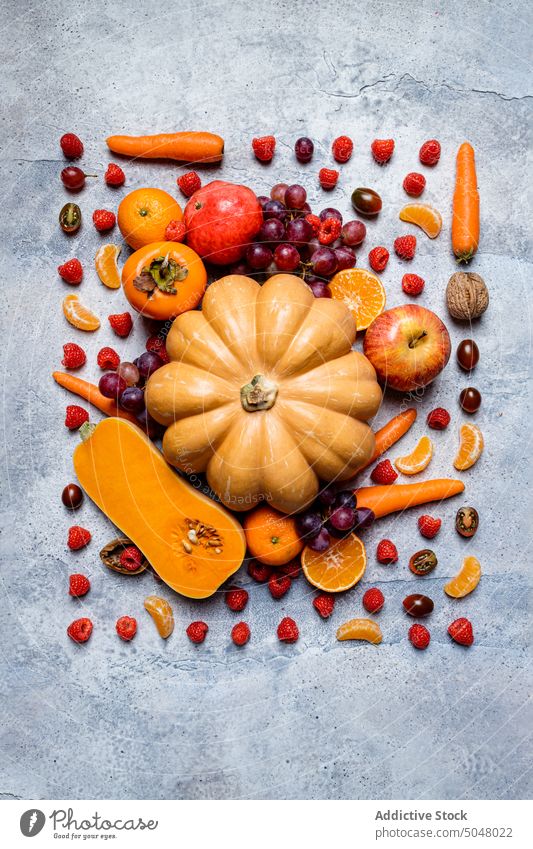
318 719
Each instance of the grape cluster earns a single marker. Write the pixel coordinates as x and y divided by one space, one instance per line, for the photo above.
125 386
333 514
287 241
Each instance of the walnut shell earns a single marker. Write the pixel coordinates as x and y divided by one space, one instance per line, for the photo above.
466 295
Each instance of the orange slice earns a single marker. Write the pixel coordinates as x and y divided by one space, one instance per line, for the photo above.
470 447
337 569
105 262
360 629
466 580
78 315
417 460
362 292
426 217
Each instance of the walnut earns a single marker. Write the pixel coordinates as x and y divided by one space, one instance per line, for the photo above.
466 295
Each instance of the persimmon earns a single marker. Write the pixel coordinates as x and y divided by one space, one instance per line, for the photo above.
271 537
164 279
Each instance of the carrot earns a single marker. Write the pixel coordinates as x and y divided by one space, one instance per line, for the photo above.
186 147
92 394
465 219
383 500
391 433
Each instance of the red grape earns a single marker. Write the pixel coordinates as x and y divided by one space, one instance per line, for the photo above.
258 256
364 518
112 385
132 399
148 362
271 230
345 257
72 177
308 525
298 231
320 542
345 498
304 149
129 373
286 257
277 192
295 197
324 262
263 199
353 233
330 212
319 288
274 209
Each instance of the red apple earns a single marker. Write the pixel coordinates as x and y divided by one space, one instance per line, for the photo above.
408 346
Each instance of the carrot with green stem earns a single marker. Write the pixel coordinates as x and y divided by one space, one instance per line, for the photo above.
184 147
465 219
89 392
391 498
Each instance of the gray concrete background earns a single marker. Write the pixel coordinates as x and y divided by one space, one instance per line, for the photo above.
319 719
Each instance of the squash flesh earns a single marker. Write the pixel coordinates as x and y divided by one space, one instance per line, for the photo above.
127 477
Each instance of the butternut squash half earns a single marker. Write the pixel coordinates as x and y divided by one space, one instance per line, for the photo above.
193 543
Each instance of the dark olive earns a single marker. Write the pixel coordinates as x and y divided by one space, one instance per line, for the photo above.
70 218
466 521
468 354
470 400
418 605
366 201
72 496
423 561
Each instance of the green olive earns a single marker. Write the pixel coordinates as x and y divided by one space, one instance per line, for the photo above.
70 218
423 561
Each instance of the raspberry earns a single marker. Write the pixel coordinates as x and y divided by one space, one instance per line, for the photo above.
373 600
419 636
236 598
292 568
405 247
107 358
461 631
327 177
386 552
114 176
75 416
288 630
78 585
71 146
429 153
260 572
428 526
240 633
157 346
175 231
314 221
103 220
189 183
412 284
378 258
414 184
329 230
131 558
197 631
384 473
78 537
73 356
71 272
438 419
324 604
80 630
264 148
121 323
342 149
382 150
279 585
126 628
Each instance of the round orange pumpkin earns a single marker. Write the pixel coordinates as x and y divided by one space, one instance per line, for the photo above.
264 393
164 279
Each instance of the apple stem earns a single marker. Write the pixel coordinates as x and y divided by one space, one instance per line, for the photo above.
416 339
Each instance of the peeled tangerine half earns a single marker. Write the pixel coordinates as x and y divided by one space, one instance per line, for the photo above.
362 292
426 217
78 315
360 629
466 580
338 568
106 265
470 447
417 460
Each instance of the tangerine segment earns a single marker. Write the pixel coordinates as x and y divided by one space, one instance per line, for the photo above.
161 612
426 217
338 568
362 292
417 460
106 266
144 214
78 315
470 447
466 580
360 629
